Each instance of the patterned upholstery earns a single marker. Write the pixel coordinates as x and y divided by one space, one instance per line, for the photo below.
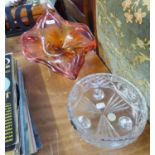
123 30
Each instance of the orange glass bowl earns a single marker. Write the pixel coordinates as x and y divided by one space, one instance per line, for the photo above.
57 43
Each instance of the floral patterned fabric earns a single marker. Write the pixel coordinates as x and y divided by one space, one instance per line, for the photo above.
123 30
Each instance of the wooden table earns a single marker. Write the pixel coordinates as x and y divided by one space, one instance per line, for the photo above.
47 93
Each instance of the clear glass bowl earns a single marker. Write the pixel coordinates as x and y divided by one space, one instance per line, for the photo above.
107 110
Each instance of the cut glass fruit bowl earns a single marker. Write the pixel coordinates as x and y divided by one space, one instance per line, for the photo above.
107 110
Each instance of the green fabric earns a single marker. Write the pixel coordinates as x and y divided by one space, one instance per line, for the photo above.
123 30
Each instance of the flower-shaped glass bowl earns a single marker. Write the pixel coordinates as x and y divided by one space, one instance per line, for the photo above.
107 110
58 43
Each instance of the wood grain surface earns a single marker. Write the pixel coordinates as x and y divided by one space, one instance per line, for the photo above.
47 93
